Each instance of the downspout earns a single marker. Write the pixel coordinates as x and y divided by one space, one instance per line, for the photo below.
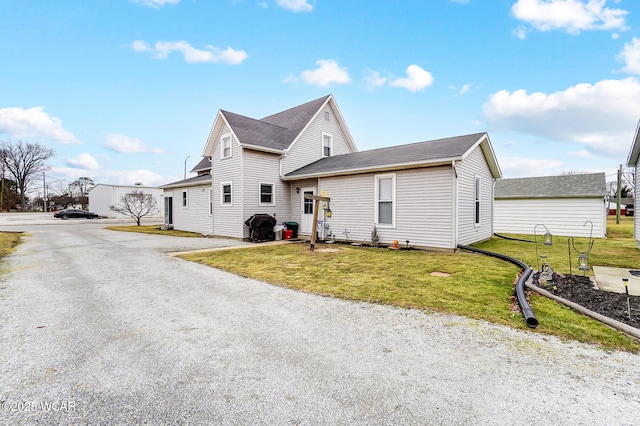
455 203
527 312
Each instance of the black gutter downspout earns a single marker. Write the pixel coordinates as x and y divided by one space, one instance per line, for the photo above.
527 312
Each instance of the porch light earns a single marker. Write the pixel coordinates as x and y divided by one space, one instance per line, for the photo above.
582 262
548 238
329 212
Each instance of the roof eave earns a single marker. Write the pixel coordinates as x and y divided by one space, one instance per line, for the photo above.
632 159
262 148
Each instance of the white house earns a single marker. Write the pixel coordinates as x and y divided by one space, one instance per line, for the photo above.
633 161
102 197
435 194
562 203
187 203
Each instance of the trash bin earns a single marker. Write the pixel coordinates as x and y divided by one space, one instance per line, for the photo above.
278 231
293 226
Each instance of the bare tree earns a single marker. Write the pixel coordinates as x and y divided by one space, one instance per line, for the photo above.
80 190
22 161
136 205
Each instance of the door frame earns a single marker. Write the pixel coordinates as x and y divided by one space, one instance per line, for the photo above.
306 220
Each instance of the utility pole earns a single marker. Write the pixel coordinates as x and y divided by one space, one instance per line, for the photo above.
618 192
44 197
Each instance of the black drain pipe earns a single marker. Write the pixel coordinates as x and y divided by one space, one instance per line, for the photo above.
527 312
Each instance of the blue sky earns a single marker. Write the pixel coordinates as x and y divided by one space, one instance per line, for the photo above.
125 90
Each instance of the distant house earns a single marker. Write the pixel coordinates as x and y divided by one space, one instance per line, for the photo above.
633 161
561 203
435 194
188 203
102 197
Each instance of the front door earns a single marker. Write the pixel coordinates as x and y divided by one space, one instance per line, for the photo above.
306 214
168 210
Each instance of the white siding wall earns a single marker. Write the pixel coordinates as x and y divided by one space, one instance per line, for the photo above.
474 165
260 167
195 217
308 148
102 197
636 213
228 220
424 204
563 216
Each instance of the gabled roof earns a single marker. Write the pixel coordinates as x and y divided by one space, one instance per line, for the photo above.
274 133
420 154
568 186
634 153
193 181
204 164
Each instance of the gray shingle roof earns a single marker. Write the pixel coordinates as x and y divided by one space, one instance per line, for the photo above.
415 153
188 182
204 164
567 186
276 131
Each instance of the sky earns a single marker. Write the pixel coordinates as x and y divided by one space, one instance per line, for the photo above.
126 91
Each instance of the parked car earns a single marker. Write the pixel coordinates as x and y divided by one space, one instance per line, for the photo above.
73 213
629 210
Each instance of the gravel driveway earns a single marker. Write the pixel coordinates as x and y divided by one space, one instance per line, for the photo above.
104 327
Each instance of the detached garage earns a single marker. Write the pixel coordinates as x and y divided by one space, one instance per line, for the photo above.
561 203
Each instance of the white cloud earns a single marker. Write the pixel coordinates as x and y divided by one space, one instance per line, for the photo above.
296 5
572 16
327 73
520 32
83 161
162 49
600 116
630 55
374 79
417 79
583 153
156 4
114 177
529 167
33 123
127 145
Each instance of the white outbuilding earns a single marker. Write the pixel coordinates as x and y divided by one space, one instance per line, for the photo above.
102 197
564 204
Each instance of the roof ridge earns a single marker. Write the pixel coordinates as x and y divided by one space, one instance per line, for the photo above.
324 98
253 119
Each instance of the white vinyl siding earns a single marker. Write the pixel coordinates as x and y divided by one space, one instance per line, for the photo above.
474 166
636 213
563 216
210 201
424 202
385 205
196 218
227 219
306 150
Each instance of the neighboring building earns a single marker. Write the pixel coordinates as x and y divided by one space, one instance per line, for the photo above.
435 194
102 197
632 161
561 203
187 203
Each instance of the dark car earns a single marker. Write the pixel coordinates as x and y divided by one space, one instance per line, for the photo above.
73 213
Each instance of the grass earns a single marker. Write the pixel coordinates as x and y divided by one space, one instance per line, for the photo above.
8 242
478 287
153 229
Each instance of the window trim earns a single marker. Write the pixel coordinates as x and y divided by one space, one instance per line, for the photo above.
222 138
477 200
273 194
185 199
330 144
222 185
377 200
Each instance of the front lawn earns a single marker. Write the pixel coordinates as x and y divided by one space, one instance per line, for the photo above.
153 229
472 285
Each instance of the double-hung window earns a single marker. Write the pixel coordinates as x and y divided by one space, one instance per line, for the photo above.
210 201
327 145
226 189
185 200
385 214
477 200
266 194
225 142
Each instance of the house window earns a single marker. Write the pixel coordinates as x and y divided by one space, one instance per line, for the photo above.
225 193
308 203
477 200
184 199
385 214
327 145
210 201
266 194
326 115
225 151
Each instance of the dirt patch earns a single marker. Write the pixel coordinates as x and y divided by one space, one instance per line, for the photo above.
327 250
440 274
579 289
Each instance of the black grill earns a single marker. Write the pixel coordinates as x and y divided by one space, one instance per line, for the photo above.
261 227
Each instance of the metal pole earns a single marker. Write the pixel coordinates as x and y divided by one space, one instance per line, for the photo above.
185 166
44 197
618 194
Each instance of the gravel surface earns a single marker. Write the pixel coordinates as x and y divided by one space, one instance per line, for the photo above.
103 327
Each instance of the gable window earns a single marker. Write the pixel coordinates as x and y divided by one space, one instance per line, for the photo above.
226 189
210 201
266 194
184 199
385 205
327 145
225 148
477 200
326 115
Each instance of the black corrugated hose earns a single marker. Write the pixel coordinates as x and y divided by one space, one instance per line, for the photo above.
527 312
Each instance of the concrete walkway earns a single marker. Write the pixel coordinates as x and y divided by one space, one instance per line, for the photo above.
610 279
